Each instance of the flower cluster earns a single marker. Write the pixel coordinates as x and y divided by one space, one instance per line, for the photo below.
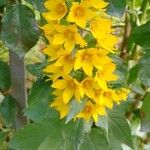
81 72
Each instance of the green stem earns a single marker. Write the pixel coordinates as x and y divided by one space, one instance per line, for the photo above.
133 4
143 9
19 91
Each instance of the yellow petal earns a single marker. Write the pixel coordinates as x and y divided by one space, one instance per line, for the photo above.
67 95
60 61
77 64
59 84
88 68
69 45
68 67
58 40
102 84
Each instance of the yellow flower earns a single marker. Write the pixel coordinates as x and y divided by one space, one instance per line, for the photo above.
87 59
106 98
67 53
56 9
91 111
69 87
54 52
66 60
106 74
87 87
49 30
69 36
54 72
97 94
99 4
60 106
80 13
121 94
108 42
102 59
101 29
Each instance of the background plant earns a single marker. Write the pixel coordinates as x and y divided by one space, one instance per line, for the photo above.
128 124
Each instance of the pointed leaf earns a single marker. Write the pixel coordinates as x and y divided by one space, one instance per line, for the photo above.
116 7
19 29
145 111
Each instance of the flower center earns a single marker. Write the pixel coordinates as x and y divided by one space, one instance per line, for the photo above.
72 85
87 84
60 9
86 57
69 35
79 11
97 93
69 59
88 109
107 94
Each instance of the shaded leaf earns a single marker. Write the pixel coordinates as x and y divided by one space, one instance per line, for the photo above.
145 111
116 7
8 110
19 29
50 134
2 2
144 73
95 140
141 35
37 4
39 99
5 80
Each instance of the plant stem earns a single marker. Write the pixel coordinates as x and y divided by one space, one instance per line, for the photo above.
143 10
127 32
133 4
19 91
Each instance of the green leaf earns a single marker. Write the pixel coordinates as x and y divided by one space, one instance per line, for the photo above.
89 38
2 2
95 140
133 74
116 125
116 7
64 137
30 137
75 108
20 30
121 71
36 69
144 73
39 111
5 80
51 134
141 35
145 111
39 98
40 91
37 4
8 110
